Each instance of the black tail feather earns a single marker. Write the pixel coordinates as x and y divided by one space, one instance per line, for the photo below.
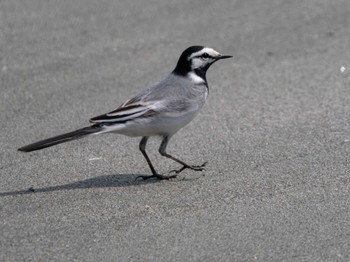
80 133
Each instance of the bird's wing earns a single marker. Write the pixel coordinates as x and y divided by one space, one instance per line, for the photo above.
130 110
162 98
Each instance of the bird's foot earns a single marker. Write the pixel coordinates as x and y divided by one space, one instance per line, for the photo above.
195 168
157 176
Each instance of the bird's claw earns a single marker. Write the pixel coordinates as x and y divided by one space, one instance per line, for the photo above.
195 168
176 171
161 177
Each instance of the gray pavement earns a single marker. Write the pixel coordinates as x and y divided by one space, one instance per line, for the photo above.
275 130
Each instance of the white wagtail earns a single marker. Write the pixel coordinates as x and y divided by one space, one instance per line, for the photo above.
158 110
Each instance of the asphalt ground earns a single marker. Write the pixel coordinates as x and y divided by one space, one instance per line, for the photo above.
275 132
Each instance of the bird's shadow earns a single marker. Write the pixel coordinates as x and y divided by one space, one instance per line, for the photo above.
118 180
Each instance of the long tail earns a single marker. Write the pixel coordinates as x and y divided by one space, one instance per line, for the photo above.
80 133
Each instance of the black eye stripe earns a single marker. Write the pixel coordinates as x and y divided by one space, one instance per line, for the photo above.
204 55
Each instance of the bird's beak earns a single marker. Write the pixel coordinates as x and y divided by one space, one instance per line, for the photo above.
223 57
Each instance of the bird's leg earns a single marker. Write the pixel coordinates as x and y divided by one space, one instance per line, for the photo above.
154 173
162 151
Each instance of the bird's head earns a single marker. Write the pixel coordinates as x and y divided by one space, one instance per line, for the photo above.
197 59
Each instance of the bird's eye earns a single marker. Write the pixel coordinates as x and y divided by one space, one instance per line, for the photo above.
205 56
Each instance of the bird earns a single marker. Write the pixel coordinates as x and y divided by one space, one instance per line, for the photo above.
160 109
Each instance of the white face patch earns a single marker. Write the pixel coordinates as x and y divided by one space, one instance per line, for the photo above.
198 61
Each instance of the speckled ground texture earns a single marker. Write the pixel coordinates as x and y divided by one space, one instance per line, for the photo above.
275 131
